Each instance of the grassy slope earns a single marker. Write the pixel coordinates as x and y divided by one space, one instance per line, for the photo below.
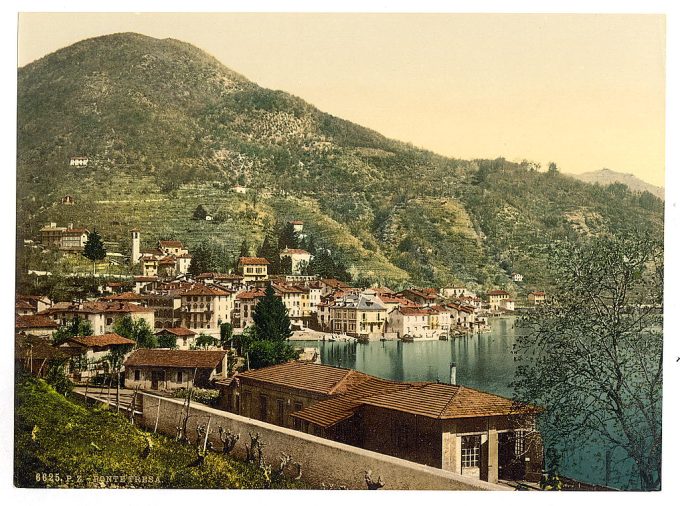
55 435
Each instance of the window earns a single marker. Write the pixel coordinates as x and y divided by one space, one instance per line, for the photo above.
469 453
137 375
179 377
280 406
109 321
519 443
263 408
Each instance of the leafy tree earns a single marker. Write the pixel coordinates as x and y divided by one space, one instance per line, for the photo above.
199 213
167 340
592 356
226 335
56 377
76 327
137 330
552 169
205 341
94 249
266 353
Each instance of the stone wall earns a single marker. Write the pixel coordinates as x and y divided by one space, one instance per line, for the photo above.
323 460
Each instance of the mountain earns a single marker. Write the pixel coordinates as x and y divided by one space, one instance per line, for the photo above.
606 177
166 128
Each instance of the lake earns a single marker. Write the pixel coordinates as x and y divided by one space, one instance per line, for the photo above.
483 361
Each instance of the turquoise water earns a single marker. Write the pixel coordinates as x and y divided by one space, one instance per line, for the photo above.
483 361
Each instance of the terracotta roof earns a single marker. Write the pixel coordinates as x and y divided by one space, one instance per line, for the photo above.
37 348
35 322
23 304
537 293
167 261
200 289
317 378
335 283
498 292
253 261
176 358
250 294
296 222
413 311
97 307
146 278
328 412
102 340
443 401
170 244
178 331
131 296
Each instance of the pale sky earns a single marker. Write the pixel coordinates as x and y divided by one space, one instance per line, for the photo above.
584 91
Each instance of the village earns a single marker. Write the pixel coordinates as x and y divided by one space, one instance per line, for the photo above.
194 327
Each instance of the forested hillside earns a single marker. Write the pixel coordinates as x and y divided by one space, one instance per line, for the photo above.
167 128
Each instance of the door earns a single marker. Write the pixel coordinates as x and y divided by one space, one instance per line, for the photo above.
470 455
511 454
156 378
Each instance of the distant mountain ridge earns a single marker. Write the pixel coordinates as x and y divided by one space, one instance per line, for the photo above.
166 127
608 176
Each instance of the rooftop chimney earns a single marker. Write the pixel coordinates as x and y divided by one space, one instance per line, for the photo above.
453 373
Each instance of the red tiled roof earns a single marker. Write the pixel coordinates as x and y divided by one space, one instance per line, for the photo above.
97 307
253 261
538 293
130 296
170 244
178 331
316 378
335 283
413 311
200 289
102 340
296 222
498 292
146 278
35 322
23 304
37 348
176 358
250 294
443 401
328 412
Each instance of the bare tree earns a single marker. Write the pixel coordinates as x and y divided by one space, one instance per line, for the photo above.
592 354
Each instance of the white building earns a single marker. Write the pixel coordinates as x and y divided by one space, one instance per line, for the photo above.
299 259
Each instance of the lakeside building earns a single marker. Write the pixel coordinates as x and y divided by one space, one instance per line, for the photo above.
496 297
450 427
166 370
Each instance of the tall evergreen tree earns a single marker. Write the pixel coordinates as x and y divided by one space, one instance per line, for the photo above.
269 251
271 318
245 250
202 259
94 249
288 238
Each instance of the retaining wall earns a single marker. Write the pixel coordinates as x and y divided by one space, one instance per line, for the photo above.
323 460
